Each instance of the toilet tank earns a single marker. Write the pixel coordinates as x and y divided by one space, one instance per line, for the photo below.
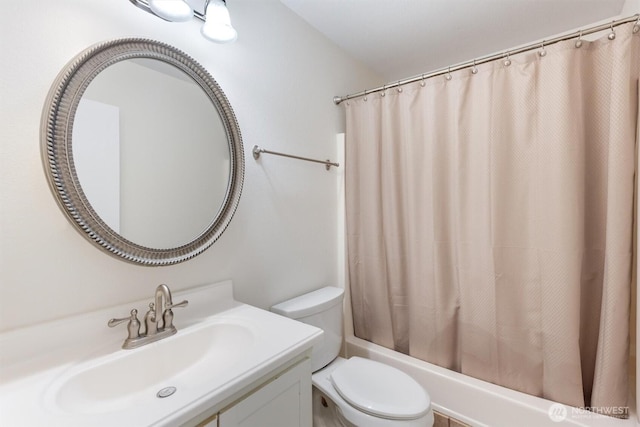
323 309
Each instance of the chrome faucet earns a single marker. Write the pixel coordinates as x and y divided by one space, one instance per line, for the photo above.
158 320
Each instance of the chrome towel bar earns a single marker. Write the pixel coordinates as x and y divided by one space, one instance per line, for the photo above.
327 163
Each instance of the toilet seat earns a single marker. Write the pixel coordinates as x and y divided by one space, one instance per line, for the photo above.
380 390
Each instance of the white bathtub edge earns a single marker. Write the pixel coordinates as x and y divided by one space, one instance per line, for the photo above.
477 402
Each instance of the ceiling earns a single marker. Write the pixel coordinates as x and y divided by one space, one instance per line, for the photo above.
403 38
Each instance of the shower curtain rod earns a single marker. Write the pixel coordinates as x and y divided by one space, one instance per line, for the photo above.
504 55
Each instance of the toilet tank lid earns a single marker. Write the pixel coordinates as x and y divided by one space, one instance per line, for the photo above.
311 303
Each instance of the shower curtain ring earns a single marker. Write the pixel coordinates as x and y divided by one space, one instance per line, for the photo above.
422 83
399 87
636 26
365 95
542 52
384 89
612 34
448 75
474 69
507 61
579 41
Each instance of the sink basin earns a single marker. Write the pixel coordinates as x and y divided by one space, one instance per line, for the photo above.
131 377
73 373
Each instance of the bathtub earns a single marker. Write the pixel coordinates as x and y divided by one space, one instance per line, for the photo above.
479 403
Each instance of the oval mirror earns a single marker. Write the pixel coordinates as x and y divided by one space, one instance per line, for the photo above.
142 151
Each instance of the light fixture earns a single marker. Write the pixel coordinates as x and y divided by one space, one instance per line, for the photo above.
171 10
217 22
217 26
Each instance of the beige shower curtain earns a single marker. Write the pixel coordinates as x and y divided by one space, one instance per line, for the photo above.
489 219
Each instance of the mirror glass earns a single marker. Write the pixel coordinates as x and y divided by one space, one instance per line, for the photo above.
151 153
142 151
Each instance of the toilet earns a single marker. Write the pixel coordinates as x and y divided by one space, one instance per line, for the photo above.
364 393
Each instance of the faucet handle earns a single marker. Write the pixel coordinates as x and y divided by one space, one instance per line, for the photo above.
134 324
167 316
114 322
180 304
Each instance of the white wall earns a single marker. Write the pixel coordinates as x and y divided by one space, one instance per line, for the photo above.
630 7
280 76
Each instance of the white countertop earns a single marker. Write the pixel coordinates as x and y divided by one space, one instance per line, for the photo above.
36 363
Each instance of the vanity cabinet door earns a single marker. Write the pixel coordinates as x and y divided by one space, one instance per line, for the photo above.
284 401
212 421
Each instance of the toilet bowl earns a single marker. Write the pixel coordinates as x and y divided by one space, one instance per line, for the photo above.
365 393
394 400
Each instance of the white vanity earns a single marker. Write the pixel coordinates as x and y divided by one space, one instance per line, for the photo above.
230 364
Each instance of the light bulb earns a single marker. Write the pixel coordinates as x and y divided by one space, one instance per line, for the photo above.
171 10
217 26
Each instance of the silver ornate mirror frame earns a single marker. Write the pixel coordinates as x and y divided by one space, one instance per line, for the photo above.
57 154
